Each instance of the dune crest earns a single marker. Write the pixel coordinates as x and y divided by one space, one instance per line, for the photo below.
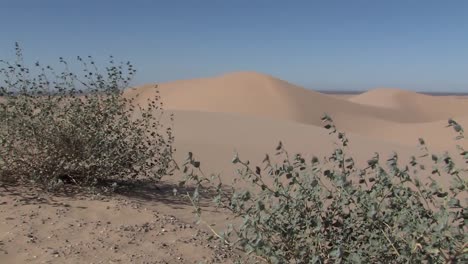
262 95
249 93
384 97
386 114
433 107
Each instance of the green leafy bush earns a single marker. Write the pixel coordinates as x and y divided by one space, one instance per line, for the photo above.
299 211
63 127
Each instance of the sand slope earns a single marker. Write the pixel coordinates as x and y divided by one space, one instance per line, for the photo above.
215 137
432 106
387 114
261 95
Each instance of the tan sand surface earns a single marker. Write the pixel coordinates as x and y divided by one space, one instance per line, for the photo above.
387 114
262 95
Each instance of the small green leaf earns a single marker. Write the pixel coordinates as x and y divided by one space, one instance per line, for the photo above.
454 203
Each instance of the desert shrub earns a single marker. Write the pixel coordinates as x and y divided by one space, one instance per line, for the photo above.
314 211
63 127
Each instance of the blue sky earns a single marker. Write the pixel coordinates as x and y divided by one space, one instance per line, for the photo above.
345 45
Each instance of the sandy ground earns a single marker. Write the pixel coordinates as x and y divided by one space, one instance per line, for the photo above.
39 228
242 112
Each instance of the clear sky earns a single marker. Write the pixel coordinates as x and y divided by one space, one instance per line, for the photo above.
347 45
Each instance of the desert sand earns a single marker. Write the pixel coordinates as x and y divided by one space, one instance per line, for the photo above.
244 112
385 114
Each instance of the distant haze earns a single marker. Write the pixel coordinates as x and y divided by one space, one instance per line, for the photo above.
418 45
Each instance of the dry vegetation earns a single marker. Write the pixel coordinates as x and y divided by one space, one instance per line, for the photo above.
66 128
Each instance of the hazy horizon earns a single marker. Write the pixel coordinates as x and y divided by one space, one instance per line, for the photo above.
332 45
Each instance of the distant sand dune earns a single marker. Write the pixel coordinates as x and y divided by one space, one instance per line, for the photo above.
386 97
383 113
434 107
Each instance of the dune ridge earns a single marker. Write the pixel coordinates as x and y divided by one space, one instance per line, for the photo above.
262 95
384 113
398 99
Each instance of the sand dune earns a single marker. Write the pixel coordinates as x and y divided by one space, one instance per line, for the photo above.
432 106
386 114
261 95
387 97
